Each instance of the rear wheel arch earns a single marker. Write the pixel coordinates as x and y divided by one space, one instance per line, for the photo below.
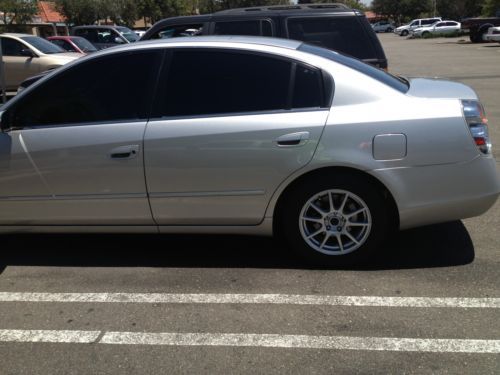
390 202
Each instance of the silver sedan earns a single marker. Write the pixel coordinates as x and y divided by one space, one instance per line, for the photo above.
243 135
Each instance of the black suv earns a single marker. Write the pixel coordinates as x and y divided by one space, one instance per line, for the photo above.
332 26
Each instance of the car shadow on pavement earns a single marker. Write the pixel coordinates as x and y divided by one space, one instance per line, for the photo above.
440 245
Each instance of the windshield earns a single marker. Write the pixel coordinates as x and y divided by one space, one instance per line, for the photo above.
396 83
43 45
83 44
128 34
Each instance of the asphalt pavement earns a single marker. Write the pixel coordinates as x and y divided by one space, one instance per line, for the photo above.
145 304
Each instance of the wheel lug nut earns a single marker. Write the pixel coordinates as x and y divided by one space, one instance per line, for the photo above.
328 227
339 228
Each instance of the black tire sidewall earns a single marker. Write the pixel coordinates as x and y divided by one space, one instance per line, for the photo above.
296 199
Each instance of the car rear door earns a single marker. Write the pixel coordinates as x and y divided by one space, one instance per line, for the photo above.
227 128
76 140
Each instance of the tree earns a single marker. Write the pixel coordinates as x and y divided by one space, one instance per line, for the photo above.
79 12
354 4
491 8
401 10
18 11
458 9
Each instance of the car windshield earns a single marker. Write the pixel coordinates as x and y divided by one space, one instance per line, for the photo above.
128 34
83 44
43 45
396 83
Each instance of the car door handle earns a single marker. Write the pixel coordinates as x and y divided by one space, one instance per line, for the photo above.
292 139
124 152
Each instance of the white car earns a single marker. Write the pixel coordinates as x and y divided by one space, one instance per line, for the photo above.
405 30
438 28
493 34
383 27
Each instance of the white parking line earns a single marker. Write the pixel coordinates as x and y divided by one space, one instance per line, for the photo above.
255 340
283 299
304 342
19 335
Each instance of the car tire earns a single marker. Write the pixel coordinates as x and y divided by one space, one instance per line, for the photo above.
425 34
404 33
344 233
389 30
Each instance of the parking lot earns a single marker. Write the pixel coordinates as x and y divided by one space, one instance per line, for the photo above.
144 304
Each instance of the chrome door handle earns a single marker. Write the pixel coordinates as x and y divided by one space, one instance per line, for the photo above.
124 152
292 139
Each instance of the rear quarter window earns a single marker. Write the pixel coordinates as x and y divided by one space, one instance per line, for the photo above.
395 82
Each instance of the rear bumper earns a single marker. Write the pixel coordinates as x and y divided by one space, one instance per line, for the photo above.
439 193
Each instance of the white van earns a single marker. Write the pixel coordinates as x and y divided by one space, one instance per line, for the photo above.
415 24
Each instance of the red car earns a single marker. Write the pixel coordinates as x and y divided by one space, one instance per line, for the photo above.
73 44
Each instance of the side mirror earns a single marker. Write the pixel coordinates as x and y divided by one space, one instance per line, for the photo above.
119 40
27 52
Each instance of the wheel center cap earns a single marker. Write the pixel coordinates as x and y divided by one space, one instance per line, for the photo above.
334 221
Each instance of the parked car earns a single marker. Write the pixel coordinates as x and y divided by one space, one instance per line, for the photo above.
493 34
26 55
326 152
383 27
140 33
438 28
415 24
102 36
73 44
478 27
333 26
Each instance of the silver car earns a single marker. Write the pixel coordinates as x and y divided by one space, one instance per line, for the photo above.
243 135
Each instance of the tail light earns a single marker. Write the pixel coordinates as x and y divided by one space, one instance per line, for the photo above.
478 124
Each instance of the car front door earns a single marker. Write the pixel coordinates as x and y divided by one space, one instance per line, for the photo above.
74 155
18 67
229 127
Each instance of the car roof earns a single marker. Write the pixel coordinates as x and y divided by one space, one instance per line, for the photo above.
286 10
16 35
272 42
66 37
96 27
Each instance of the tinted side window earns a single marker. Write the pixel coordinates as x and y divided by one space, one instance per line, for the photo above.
174 31
11 47
110 88
308 87
208 82
254 27
428 22
90 34
344 34
108 36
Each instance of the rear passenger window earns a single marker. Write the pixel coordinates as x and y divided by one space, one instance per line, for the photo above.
345 34
254 27
106 89
308 88
204 82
